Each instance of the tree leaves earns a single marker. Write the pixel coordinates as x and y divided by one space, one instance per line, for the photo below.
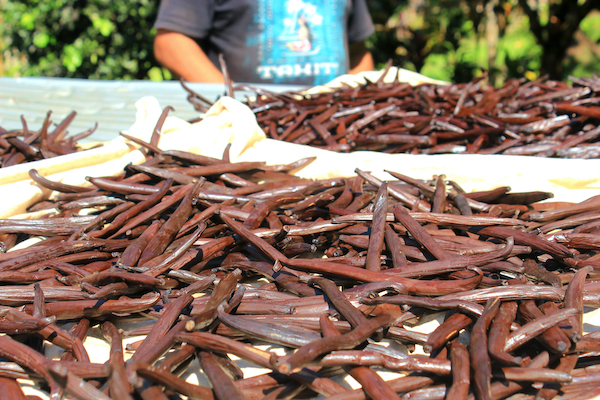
95 39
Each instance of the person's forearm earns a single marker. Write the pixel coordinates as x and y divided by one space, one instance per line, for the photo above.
360 58
182 56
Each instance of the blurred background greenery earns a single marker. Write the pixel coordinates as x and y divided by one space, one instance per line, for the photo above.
455 40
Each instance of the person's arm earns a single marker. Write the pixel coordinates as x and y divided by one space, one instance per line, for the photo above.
184 57
360 58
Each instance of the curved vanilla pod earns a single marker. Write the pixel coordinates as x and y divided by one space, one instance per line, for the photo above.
262 358
574 297
118 385
566 364
159 124
413 285
406 199
447 330
131 254
153 211
420 234
451 264
44 226
466 307
395 248
376 238
24 326
48 252
250 237
223 386
261 211
478 349
58 186
502 389
93 308
163 265
528 239
375 358
508 293
536 327
545 375
352 314
368 289
222 292
461 376
164 324
122 187
499 331
315 348
30 359
590 204
286 335
565 325
169 229
373 385
162 377
102 218
126 216
553 338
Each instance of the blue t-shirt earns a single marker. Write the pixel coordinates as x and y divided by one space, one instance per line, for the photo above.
302 42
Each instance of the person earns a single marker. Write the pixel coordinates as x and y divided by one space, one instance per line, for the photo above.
302 42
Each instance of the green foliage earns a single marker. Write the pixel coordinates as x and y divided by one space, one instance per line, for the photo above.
430 37
97 39
457 40
590 26
454 40
519 54
583 59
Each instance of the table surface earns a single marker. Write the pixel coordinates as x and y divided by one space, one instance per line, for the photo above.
109 103
112 105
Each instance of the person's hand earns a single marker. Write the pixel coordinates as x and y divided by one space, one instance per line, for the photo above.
184 57
360 58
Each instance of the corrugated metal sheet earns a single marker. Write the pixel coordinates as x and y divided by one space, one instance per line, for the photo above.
110 103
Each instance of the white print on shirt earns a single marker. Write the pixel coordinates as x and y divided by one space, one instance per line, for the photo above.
297 34
300 39
297 70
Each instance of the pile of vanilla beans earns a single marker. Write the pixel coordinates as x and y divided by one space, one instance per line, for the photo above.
213 258
537 118
23 145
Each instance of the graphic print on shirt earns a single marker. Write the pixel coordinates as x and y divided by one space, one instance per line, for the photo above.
300 40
